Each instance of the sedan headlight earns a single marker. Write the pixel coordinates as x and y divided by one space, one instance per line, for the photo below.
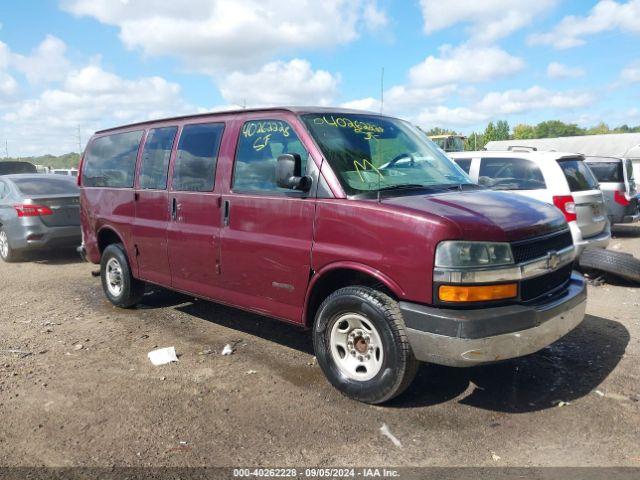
460 254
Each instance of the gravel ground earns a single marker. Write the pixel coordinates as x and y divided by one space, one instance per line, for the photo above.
87 395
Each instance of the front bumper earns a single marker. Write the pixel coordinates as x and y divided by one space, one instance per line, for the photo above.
463 338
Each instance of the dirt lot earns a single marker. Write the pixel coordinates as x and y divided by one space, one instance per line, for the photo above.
88 395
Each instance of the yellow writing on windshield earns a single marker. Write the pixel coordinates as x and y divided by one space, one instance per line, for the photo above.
262 127
363 166
368 129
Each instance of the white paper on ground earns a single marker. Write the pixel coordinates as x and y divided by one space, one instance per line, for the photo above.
163 356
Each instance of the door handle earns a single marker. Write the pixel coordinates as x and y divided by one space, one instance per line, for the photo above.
174 208
226 210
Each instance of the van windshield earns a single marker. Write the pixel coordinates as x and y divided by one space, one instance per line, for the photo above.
370 153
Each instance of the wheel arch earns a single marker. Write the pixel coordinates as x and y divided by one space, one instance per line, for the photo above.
342 274
107 236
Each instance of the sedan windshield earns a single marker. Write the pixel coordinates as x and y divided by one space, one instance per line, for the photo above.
371 153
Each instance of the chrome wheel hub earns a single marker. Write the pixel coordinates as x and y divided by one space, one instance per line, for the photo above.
113 276
356 347
4 244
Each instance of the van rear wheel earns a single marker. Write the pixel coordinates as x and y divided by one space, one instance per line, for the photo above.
117 281
361 345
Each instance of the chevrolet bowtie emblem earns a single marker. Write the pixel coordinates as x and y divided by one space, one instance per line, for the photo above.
553 260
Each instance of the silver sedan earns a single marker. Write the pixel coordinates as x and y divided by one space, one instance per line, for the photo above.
38 212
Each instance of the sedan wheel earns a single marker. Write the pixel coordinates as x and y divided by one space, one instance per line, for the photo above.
4 244
7 253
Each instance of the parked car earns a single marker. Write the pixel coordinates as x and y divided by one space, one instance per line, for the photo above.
560 179
73 172
351 224
8 167
37 211
615 176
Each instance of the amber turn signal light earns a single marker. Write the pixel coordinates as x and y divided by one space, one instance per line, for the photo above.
479 293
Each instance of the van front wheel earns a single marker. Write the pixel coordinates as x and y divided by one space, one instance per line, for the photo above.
361 345
117 281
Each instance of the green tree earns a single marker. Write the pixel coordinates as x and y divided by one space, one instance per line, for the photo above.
440 131
475 141
502 130
490 133
599 129
556 128
523 131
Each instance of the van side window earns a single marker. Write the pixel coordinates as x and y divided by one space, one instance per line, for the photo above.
195 164
155 158
111 160
260 144
510 174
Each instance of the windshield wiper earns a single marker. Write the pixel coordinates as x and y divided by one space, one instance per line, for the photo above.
403 186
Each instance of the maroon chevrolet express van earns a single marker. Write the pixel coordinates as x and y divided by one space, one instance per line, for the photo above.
349 223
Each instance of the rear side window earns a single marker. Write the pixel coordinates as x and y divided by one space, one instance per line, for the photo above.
510 174
260 144
195 165
46 186
607 171
578 175
111 160
463 163
155 158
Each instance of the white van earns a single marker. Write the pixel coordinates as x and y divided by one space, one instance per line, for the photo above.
561 179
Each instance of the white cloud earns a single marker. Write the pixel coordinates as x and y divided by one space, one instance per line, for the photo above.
450 117
558 70
630 74
464 64
437 78
91 98
374 17
534 98
47 62
369 103
223 35
8 85
281 83
489 20
606 15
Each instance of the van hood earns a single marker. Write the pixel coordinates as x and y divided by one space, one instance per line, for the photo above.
486 215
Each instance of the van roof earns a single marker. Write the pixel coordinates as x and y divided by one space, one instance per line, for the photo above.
532 155
292 109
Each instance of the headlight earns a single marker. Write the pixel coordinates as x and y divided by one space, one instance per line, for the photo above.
459 254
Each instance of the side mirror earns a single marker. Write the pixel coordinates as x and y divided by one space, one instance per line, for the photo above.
289 173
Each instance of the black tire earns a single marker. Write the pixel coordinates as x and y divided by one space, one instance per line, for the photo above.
399 365
131 290
9 254
617 263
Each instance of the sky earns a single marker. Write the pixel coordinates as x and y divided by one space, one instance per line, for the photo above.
71 67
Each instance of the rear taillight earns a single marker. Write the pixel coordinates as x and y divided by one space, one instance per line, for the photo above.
621 198
32 210
567 205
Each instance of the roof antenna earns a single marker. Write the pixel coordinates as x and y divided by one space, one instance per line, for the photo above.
381 90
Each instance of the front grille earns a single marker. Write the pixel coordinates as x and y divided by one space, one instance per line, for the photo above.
532 248
534 287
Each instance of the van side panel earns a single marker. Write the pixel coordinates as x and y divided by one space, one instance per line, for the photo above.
106 208
380 239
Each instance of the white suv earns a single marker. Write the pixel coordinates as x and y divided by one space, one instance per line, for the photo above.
561 179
